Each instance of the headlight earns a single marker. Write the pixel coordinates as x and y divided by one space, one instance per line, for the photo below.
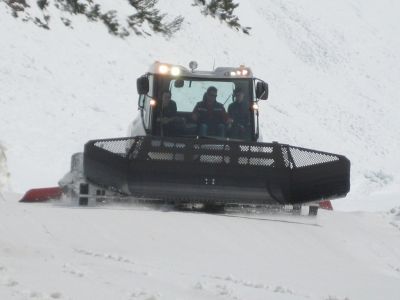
175 71
153 102
163 69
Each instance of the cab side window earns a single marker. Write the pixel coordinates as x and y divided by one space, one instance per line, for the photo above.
146 108
147 113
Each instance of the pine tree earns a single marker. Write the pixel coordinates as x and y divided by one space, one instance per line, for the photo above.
145 20
42 4
73 6
223 10
94 13
109 19
17 6
146 12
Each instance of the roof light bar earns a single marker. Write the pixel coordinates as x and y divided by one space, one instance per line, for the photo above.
165 69
238 72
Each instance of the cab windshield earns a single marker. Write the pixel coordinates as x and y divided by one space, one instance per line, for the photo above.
208 108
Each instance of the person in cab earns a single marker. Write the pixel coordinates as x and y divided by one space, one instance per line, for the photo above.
167 118
239 112
210 115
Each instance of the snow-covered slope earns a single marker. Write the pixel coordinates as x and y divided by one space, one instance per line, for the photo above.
333 70
52 251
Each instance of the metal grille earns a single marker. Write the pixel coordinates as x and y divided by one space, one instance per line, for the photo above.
135 148
167 144
180 169
261 161
256 149
212 147
165 156
304 158
256 161
161 156
261 149
215 152
286 159
118 146
212 159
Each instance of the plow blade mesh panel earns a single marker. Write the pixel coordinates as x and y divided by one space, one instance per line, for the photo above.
207 169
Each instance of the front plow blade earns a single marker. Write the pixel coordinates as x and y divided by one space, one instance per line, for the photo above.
203 170
42 194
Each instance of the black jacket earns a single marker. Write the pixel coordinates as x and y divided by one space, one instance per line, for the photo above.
240 113
169 111
212 115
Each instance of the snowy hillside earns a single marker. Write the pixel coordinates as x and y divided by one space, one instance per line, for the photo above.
333 71
53 251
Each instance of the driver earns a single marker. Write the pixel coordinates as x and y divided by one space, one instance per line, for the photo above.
210 115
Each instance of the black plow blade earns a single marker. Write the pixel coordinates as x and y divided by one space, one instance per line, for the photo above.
215 171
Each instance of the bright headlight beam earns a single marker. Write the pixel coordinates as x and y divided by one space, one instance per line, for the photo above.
163 69
175 71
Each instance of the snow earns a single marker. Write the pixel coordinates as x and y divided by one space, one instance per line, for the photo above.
4 175
333 70
127 252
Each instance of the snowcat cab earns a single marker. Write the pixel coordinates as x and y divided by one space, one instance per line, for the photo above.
218 170
187 87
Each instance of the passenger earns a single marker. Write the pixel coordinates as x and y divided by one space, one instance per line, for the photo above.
239 111
210 115
168 115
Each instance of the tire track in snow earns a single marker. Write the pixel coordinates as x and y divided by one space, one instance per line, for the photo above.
219 286
18 289
229 283
113 257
